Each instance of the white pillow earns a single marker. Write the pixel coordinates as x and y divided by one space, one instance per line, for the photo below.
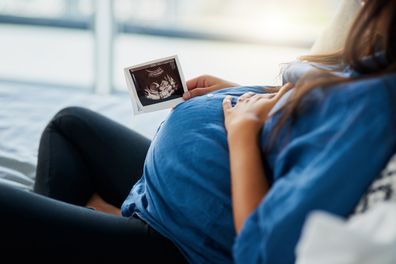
334 35
368 238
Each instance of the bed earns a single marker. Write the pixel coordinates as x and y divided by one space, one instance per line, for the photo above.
25 110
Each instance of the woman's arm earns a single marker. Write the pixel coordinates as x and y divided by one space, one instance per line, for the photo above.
333 152
243 123
248 184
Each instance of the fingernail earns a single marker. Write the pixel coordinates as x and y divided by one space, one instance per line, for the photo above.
186 95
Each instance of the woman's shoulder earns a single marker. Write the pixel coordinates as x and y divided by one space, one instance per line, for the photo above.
369 100
380 89
359 103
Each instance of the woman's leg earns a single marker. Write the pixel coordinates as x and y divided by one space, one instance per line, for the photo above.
34 225
82 152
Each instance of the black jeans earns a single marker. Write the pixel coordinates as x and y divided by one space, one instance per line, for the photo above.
82 152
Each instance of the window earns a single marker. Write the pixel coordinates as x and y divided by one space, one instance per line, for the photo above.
47 42
269 21
86 43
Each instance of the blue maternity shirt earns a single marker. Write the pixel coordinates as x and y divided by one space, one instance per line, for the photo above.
337 146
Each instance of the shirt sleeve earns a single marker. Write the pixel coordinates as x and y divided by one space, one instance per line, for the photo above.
340 146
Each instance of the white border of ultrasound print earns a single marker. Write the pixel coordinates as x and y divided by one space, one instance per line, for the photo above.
138 108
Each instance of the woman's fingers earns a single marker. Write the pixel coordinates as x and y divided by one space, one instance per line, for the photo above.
198 92
284 89
187 95
193 83
197 82
195 92
245 96
227 103
271 97
204 84
252 97
198 86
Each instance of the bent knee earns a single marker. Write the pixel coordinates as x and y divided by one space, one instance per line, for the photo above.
66 117
71 111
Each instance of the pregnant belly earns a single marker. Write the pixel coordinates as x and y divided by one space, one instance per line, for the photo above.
186 180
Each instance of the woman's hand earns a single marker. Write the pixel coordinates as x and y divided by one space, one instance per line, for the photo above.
205 84
251 111
243 122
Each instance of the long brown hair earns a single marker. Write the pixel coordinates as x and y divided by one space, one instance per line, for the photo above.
374 29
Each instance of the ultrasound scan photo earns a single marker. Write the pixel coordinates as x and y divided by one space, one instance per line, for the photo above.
158 82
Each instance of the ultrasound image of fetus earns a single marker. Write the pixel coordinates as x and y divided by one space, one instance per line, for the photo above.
161 87
157 83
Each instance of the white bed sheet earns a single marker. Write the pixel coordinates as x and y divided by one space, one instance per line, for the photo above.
25 111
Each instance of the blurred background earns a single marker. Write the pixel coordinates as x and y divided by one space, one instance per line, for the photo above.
58 53
58 43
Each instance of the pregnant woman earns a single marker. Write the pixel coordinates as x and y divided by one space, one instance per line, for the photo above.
231 174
